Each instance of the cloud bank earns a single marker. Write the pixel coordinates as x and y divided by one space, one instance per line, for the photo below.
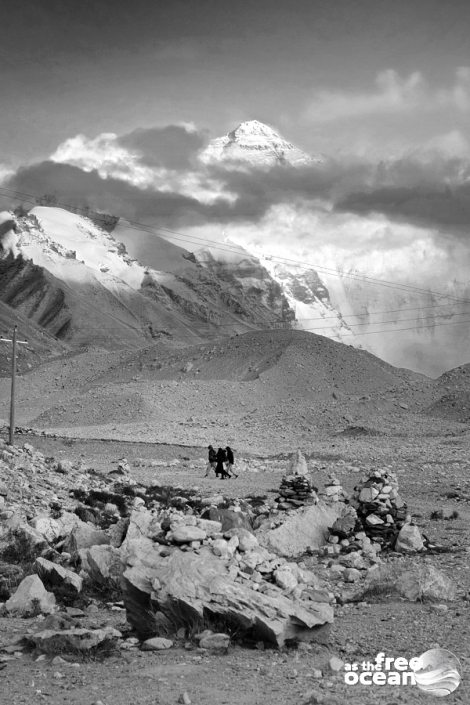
351 211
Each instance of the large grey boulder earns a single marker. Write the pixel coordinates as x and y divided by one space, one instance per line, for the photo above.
66 522
19 537
46 526
409 539
186 534
414 582
306 528
84 535
57 574
104 563
230 519
199 584
31 595
142 523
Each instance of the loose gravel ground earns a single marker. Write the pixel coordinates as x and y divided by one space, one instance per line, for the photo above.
432 476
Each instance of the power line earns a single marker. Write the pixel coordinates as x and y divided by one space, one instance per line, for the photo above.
378 323
394 330
193 239
374 313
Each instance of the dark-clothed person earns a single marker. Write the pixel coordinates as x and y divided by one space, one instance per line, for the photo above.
221 460
230 462
212 461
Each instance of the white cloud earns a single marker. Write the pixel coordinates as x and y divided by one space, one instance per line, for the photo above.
111 160
392 94
106 155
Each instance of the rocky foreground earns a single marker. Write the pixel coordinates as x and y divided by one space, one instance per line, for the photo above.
94 564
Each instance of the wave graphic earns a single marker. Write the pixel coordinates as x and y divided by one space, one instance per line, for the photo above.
437 672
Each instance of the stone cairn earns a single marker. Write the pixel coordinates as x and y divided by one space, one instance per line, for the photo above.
296 488
333 491
296 491
374 516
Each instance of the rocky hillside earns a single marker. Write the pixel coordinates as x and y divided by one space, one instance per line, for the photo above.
41 344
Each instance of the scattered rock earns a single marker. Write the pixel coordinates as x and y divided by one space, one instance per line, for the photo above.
50 641
215 642
157 643
31 596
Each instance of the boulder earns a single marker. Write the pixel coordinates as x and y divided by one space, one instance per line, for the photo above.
117 532
304 529
409 539
214 499
57 574
351 575
31 595
215 642
186 534
210 527
84 536
221 548
344 526
49 641
285 578
157 643
104 563
46 526
200 584
140 523
230 519
66 523
426 582
246 540
28 538
414 582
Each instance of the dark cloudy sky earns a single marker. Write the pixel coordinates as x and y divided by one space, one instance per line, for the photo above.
331 75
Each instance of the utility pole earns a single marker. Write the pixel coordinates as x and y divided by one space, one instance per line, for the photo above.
15 342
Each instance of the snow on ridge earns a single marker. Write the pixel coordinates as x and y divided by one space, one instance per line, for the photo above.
79 239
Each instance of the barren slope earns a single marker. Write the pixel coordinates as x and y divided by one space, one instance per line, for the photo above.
257 390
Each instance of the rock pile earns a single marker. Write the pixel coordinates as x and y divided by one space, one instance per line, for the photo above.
186 564
375 515
379 507
296 491
334 491
198 554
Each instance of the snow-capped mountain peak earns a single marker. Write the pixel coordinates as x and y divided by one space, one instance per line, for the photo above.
257 144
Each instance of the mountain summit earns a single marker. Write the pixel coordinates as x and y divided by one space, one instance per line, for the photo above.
257 144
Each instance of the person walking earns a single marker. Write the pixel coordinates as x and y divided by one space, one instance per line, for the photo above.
230 462
221 460
212 462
